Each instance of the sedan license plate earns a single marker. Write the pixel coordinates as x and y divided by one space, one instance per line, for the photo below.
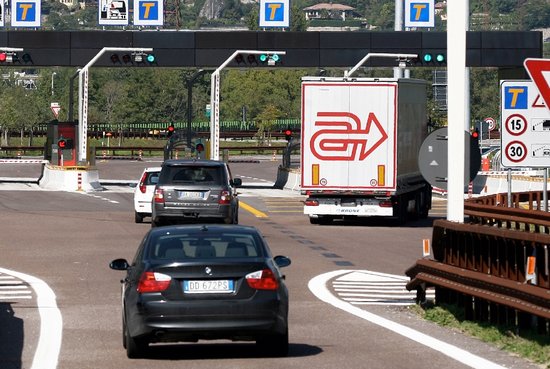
208 286
190 194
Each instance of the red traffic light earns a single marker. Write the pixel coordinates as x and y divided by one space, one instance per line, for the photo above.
199 147
62 143
171 130
288 134
475 134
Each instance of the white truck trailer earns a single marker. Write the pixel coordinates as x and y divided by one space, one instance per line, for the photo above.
359 150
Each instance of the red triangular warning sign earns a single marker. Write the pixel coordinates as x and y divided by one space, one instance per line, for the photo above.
538 103
537 68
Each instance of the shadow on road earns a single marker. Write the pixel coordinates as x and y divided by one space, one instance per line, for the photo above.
210 351
11 338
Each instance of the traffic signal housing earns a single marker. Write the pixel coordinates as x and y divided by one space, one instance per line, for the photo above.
136 58
65 143
256 60
13 57
288 134
475 154
430 58
170 130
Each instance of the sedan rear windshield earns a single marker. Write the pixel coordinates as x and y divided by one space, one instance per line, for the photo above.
191 246
192 174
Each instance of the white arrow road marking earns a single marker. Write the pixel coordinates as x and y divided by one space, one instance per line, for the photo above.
46 355
318 286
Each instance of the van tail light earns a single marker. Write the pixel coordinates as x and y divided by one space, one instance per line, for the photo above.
225 198
262 280
142 186
153 282
311 202
159 196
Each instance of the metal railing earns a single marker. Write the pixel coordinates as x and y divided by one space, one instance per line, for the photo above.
496 266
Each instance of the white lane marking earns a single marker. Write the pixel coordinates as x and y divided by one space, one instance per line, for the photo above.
12 288
46 355
318 286
372 288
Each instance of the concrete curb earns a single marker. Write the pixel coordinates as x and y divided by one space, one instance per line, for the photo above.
70 178
288 178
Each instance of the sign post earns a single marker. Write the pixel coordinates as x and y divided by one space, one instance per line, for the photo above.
215 99
83 97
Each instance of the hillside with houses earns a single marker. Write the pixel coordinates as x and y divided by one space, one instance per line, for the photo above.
344 15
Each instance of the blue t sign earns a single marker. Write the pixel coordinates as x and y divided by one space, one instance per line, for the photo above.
148 12
25 13
419 13
274 13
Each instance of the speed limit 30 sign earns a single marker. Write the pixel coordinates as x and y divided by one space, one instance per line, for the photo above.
525 133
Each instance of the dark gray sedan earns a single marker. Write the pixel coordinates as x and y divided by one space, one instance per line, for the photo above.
191 190
204 282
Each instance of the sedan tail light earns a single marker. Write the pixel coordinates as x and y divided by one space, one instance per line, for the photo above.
225 198
142 186
159 196
262 280
153 282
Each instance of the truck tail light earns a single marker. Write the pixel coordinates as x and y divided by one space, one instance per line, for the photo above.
142 186
385 204
159 196
225 198
311 202
262 280
153 282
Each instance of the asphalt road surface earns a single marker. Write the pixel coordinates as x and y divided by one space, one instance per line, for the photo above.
60 303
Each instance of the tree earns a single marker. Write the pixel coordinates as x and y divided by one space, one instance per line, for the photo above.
265 121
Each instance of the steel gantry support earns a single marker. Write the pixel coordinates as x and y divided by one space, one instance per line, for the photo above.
215 99
83 99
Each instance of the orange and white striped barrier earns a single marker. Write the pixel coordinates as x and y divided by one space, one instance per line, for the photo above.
530 272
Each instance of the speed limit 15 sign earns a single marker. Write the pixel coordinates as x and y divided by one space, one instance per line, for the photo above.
525 131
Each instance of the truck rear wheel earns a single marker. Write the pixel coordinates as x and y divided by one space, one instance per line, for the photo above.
314 220
321 219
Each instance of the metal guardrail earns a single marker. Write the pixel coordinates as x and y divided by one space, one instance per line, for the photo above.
135 153
482 265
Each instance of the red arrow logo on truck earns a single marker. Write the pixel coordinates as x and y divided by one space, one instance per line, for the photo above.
344 138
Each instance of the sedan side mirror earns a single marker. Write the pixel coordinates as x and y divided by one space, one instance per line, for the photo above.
282 261
119 264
